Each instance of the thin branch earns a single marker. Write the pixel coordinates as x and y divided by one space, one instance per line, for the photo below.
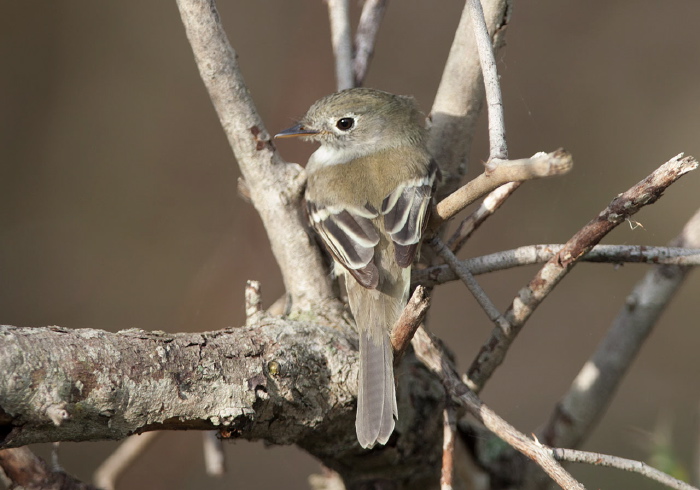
409 321
494 102
448 447
530 297
537 254
460 96
107 474
488 206
540 165
428 352
275 187
695 465
253 302
214 456
468 279
366 37
591 392
26 470
341 38
597 459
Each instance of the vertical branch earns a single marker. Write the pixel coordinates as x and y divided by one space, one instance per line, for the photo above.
275 186
214 457
341 38
494 102
448 447
460 96
591 392
366 36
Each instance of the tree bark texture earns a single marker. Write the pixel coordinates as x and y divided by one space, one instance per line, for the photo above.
281 381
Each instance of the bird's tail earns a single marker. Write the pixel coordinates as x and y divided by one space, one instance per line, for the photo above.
375 313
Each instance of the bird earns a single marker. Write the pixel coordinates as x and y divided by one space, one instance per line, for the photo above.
368 194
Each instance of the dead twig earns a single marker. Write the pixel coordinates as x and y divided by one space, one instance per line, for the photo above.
598 459
468 279
590 393
409 321
540 165
448 447
537 254
498 149
530 297
428 352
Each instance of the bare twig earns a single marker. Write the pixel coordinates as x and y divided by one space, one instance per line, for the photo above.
540 165
26 470
366 36
597 459
341 38
488 206
695 465
253 302
596 383
428 352
494 102
275 186
537 254
468 279
448 447
460 96
107 474
409 321
529 298
214 457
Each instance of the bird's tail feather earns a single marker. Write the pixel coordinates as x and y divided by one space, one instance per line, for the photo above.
375 313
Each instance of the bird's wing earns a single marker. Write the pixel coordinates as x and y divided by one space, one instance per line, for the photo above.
405 212
350 236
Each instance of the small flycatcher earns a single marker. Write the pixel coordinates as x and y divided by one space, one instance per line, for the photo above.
368 190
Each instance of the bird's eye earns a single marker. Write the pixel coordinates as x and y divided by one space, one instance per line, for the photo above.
345 123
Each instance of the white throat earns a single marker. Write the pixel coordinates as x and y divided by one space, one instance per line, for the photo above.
332 155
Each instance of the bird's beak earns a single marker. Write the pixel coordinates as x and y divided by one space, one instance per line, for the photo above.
298 130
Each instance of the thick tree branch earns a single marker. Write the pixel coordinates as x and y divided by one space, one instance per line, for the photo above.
537 254
529 298
237 381
460 96
275 186
114 385
591 392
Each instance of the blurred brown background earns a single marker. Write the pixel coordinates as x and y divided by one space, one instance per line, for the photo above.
118 204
